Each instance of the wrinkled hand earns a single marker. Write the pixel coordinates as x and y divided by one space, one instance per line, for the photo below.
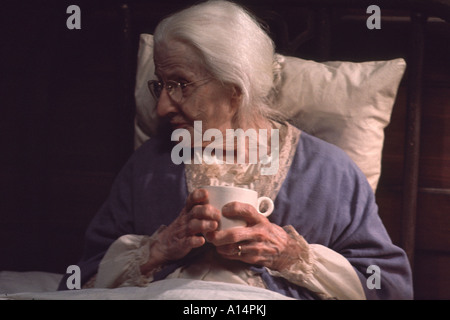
185 232
260 243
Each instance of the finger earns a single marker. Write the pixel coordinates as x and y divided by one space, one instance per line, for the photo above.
243 211
196 226
255 254
236 251
177 245
206 211
230 250
229 236
198 196
195 241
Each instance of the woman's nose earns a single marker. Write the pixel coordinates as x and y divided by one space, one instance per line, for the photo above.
165 105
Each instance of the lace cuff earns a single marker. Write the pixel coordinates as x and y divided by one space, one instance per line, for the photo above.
323 271
120 267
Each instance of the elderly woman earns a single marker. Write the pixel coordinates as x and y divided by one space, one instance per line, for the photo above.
215 64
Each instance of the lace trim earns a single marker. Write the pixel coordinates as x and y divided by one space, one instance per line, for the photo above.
303 270
323 271
121 265
133 276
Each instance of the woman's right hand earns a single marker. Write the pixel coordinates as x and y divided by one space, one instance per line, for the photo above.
185 232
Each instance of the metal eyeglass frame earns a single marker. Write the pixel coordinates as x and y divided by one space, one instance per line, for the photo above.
173 88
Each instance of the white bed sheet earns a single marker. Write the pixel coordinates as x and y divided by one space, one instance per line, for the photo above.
29 281
42 286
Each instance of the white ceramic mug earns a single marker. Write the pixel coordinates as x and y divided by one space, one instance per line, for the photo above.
221 195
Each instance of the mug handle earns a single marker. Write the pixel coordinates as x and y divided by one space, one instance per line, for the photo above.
269 209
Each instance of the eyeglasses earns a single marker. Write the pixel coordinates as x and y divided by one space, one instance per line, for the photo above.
174 89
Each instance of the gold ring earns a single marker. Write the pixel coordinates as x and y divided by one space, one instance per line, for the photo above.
239 250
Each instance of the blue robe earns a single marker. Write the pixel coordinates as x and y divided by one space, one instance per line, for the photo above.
325 197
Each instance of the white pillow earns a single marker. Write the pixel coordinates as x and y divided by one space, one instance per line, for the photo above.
345 103
146 119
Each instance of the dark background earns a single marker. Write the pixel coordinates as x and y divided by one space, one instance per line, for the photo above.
67 108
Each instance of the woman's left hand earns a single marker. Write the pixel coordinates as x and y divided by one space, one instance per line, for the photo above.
260 243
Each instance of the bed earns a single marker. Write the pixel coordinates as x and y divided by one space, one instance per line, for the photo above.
349 103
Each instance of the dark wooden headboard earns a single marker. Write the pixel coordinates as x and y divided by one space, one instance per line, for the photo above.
68 125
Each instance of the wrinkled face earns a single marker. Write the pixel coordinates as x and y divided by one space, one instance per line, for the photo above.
208 101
